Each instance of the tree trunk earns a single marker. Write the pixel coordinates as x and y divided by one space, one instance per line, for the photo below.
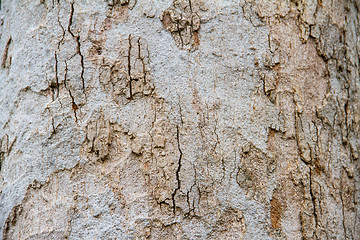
183 119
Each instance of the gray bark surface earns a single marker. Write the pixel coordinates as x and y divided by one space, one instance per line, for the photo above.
179 119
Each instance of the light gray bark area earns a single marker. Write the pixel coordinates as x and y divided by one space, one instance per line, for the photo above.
196 119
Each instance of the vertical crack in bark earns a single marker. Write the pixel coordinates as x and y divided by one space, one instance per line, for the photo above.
130 76
235 165
152 138
190 6
56 75
178 170
4 62
180 111
74 105
142 59
82 63
317 148
57 61
313 198
183 22
78 46
356 211
129 67
191 208
53 126
71 19
63 33
179 31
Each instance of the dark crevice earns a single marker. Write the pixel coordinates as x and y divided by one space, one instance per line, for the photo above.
78 46
71 19
190 6
56 76
82 63
152 138
53 125
129 67
53 132
313 198
179 31
63 33
346 109
6 53
180 111
178 170
191 205
74 105
235 167
142 60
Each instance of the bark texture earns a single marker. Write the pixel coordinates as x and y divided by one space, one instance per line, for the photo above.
183 119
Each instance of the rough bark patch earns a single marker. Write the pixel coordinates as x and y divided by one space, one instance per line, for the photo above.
275 214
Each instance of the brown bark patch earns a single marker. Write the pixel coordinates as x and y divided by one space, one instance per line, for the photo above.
166 20
6 59
183 22
196 39
275 213
120 13
299 69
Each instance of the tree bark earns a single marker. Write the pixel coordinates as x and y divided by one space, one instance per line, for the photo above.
183 119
